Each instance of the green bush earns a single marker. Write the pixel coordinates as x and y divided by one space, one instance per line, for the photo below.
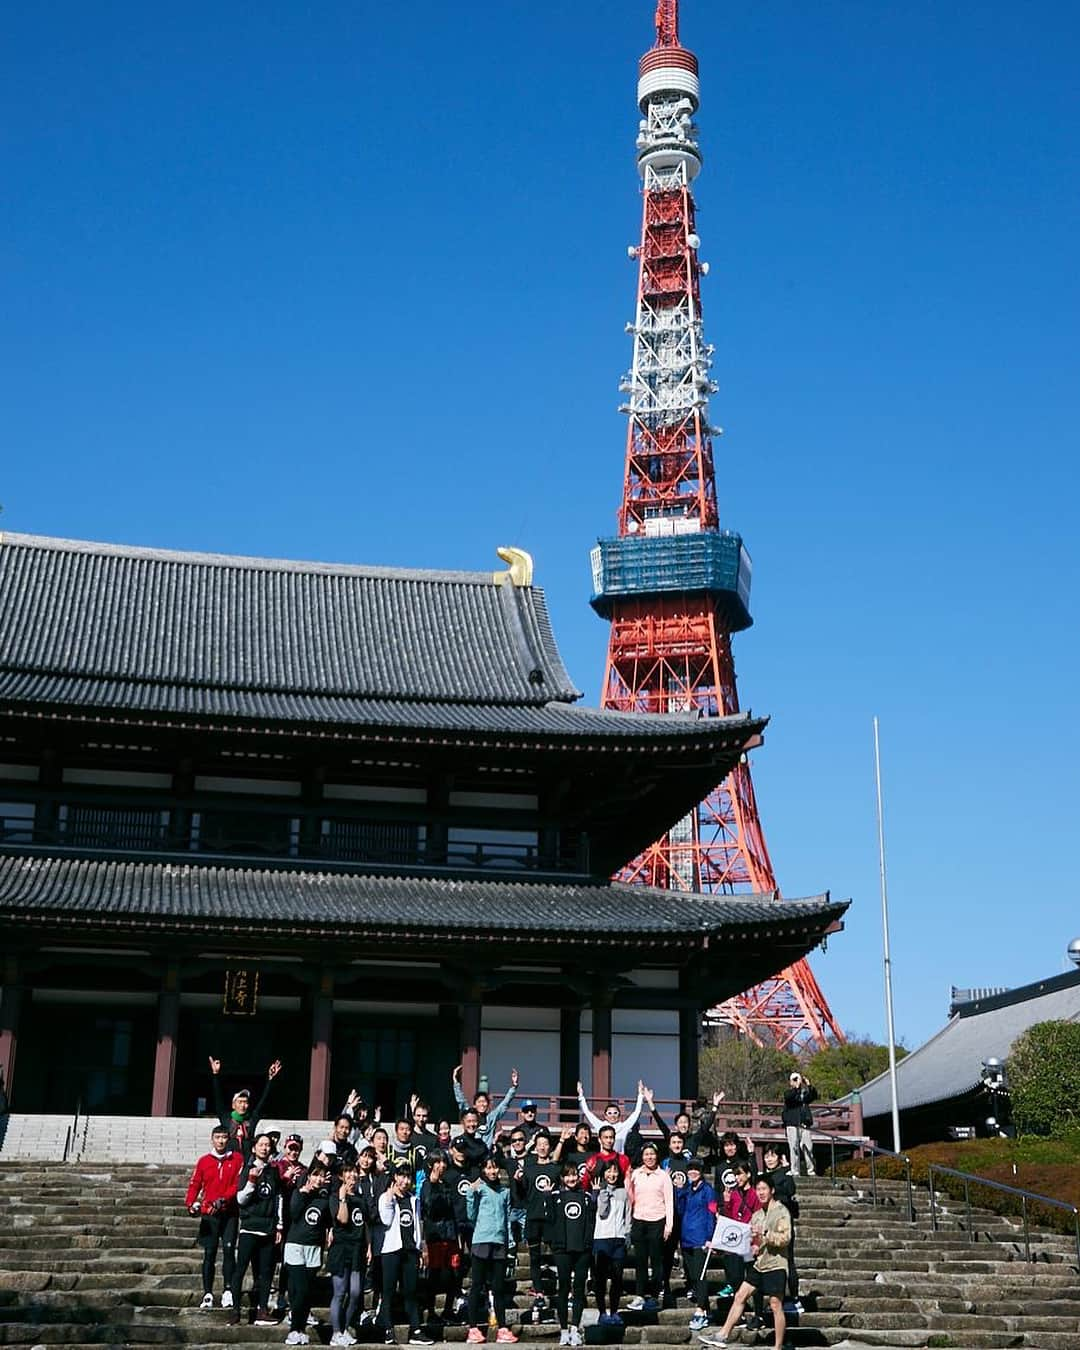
1044 1078
837 1069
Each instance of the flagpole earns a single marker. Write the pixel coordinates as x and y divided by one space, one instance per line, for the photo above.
885 943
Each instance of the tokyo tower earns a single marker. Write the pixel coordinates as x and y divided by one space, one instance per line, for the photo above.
674 585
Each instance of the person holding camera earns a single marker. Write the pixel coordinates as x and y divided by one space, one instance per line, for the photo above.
211 1198
797 1119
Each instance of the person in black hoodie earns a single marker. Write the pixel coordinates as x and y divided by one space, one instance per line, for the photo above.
370 1184
438 1213
261 1226
573 1221
532 1184
732 1150
347 1259
309 1220
242 1121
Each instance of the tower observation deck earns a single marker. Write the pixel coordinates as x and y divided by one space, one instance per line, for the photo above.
673 584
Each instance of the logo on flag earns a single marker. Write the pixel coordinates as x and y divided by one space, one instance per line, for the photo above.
731 1236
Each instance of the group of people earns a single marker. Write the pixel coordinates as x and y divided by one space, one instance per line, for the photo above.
406 1211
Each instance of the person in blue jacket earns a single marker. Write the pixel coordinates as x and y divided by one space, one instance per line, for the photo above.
487 1204
696 1205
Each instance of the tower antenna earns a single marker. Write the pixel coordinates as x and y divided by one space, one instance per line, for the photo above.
667 23
674 585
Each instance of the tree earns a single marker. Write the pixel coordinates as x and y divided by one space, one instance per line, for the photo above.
839 1069
1044 1078
745 1072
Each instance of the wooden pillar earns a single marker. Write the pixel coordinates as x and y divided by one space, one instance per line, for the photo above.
569 1051
322 1030
471 1020
601 1052
161 1101
10 1008
689 1037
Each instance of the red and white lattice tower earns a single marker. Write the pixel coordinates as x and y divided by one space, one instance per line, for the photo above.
674 585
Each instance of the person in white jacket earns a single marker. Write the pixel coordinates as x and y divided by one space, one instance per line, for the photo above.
398 1241
613 1116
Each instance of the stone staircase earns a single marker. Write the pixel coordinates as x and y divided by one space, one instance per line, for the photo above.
104 1255
125 1138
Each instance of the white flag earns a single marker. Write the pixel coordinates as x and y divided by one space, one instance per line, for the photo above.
731 1236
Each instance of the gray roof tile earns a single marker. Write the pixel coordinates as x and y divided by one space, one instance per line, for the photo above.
192 895
192 702
203 620
187 636
950 1062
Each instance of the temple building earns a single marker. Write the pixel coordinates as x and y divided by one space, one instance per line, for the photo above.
349 817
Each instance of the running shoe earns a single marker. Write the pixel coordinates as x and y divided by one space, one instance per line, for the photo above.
226 1298
505 1336
207 1301
475 1336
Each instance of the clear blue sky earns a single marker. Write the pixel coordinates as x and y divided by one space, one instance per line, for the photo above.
349 280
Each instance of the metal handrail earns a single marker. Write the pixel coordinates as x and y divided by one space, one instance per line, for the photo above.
875 1152
968 1177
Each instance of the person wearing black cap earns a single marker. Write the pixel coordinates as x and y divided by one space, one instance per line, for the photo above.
457 1180
242 1120
293 1173
474 1148
399 1244
528 1124
696 1207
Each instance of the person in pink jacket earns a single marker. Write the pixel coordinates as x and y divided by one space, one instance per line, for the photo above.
652 1219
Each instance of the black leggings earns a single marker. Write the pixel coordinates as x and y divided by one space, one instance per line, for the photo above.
697 1282
215 1229
573 1268
534 1236
257 1251
647 1235
608 1269
399 1271
301 1282
488 1273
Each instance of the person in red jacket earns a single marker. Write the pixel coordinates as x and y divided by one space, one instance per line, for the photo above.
211 1197
594 1168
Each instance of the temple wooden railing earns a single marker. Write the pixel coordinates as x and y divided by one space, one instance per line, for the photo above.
758 1122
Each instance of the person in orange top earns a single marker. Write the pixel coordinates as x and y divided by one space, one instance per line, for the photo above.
652 1219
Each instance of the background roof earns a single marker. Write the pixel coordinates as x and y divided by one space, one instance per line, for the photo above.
951 1061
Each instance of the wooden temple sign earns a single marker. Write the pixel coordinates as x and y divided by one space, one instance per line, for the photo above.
241 993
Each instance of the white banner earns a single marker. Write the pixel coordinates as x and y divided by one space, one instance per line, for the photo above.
732 1236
